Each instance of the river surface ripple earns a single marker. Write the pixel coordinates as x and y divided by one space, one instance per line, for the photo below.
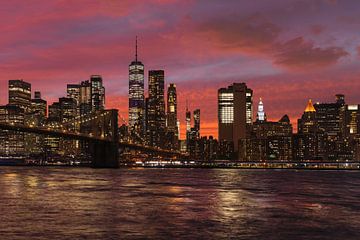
84 203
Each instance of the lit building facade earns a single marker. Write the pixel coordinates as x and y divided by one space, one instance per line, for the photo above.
38 108
20 94
329 122
261 116
268 141
194 143
306 144
136 96
235 111
97 93
171 117
188 124
85 97
11 143
156 121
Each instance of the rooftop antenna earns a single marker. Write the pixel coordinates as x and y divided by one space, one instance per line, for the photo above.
136 47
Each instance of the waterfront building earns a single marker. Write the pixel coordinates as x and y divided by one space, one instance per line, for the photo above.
268 141
171 117
73 91
136 96
67 109
38 109
329 122
188 124
197 122
306 144
97 93
156 121
34 142
193 137
20 94
85 98
11 143
234 114
208 148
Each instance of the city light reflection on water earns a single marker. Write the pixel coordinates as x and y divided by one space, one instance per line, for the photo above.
71 203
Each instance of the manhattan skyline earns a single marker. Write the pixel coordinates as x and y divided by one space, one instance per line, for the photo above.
310 50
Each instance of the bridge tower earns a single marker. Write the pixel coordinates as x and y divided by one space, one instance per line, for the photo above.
105 154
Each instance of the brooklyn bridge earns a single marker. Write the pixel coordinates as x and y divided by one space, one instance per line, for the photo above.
99 131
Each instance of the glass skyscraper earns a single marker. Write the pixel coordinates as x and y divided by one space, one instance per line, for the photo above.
136 96
156 121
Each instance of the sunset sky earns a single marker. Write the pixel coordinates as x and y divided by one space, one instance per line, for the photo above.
287 51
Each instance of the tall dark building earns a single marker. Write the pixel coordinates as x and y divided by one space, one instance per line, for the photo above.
67 109
171 116
38 108
188 124
85 102
97 93
20 94
306 144
235 111
268 141
73 91
328 118
136 96
156 109
197 122
54 112
194 144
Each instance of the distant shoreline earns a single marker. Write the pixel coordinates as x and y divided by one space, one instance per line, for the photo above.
192 167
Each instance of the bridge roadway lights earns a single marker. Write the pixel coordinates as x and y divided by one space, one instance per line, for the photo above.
104 154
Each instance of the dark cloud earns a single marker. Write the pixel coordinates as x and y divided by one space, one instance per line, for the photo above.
298 54
256 35
253 34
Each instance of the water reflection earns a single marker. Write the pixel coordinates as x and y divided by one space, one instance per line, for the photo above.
65 203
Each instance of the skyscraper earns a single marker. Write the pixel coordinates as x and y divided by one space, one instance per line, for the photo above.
73 91
20 94
234 113
156 109
197 122
171 116
38 107
85 97
11 142
136 95
97 93
306 139
328 119
188 124
194 142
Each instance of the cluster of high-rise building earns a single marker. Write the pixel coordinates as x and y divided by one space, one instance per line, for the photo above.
151 121
81 99
326 131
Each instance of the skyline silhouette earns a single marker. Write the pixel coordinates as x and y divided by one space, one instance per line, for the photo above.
309 51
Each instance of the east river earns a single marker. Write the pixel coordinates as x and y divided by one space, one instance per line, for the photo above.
84 203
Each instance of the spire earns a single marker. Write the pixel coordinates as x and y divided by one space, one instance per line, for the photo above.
310 107
136 49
